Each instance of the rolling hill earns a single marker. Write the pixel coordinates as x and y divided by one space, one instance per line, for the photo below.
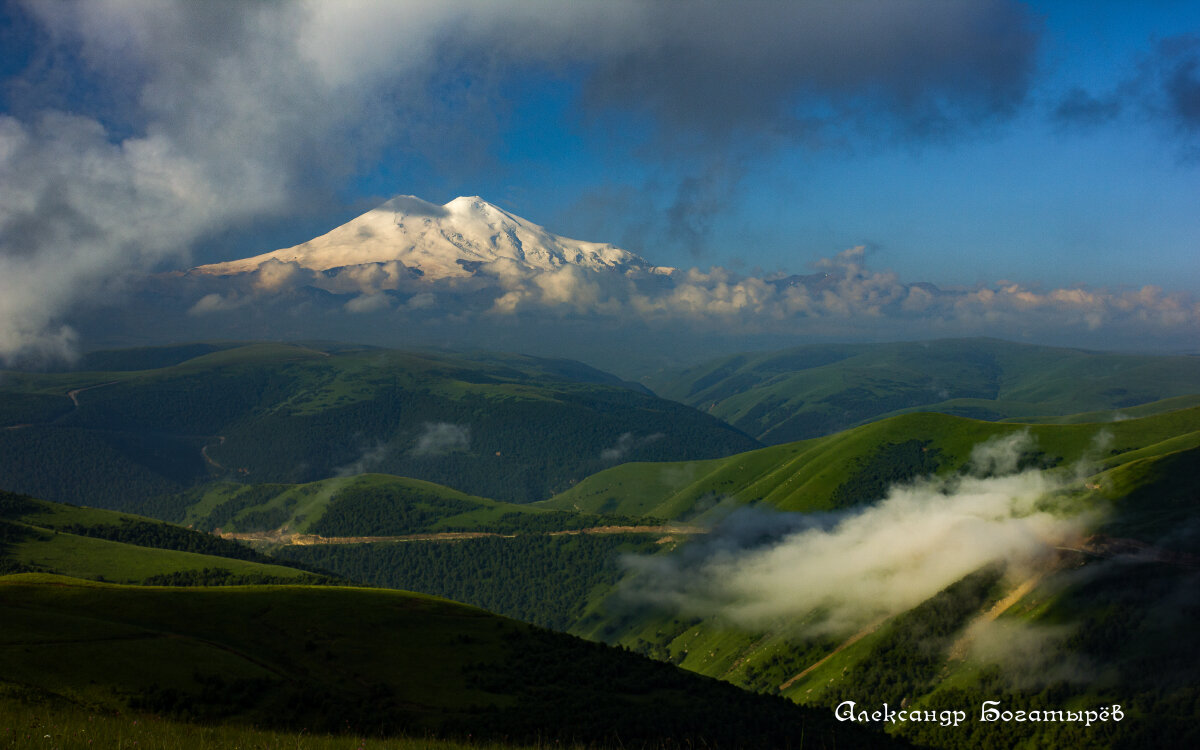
1090 620
311 658
362 505
503 426
926 560
858 465
103 545
809 391
371 662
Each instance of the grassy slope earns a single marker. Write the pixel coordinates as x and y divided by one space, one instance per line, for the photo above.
501 426
302 508
362 660
804 476
1114 624
86 543
809 391
1112 628
101 559
40 725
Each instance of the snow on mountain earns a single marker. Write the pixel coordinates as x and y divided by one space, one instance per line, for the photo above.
440 242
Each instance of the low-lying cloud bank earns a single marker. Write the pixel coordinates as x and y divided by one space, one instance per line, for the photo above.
831 573
843 298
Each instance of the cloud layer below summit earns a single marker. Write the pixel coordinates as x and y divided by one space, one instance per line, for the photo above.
486 276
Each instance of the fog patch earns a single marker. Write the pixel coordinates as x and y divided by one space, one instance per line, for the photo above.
838 571
1031 655
440 438
1001 455
368 303
370 459
626 444
211 303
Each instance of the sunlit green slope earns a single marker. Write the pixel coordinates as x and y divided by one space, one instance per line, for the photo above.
105 545
361 505
857 465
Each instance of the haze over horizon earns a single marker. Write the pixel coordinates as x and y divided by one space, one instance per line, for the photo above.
1021 170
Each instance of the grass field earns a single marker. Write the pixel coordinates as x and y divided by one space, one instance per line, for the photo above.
299 509
41 726
109 546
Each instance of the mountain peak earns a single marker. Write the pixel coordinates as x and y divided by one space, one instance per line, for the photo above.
440 241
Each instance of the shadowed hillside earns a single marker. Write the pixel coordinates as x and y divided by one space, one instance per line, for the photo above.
808 391
502 426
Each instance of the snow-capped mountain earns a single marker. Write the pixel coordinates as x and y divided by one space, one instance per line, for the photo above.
442 242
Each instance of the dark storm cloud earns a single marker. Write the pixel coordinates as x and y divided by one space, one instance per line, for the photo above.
724 85
793 70
1177 74
1165 89
699 199
1080 108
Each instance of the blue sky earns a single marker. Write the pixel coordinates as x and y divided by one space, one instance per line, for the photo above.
1027 198
964 145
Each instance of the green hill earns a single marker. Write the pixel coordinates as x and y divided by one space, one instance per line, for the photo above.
362 505
856 466
810 391
1096 623
502 426
304 658
1072 543
1100 621
574 575
371 662
41 536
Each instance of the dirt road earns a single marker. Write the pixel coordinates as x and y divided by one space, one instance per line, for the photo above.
843 646
282 537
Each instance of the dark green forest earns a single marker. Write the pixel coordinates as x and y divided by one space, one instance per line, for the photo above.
505 427
544 580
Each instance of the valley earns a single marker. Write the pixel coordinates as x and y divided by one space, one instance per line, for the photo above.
925 559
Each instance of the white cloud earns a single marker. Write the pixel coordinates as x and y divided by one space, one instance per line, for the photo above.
210 303
627 443
844 571
440 438
370 458
367 303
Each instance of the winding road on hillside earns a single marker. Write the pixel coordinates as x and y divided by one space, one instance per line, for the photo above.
281 537
841 647
209 459
74 395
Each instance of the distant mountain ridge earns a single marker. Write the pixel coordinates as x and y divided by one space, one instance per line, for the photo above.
808 391
503 426
437 242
